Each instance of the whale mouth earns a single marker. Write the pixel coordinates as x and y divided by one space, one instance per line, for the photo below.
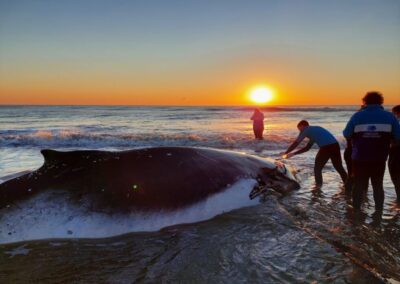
273 179
257 191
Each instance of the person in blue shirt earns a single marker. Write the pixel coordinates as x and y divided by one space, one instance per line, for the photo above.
328 149
394 158
371 131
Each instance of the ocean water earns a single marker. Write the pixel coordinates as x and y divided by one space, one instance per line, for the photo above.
308 235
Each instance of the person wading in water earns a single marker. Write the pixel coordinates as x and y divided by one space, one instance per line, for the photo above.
258 123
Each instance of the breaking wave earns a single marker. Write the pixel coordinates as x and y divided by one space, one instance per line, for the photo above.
305 109
77 138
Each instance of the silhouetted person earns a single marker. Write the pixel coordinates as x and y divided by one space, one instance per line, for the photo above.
394 158
258 123
371 130
328 149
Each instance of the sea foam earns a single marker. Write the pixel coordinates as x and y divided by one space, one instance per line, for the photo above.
51 215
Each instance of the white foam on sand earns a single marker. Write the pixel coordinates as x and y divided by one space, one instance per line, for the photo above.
51 215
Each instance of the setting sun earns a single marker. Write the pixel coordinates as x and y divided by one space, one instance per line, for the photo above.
261 94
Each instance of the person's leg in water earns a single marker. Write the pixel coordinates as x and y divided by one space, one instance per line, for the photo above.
361 175
377 173
394 169
258 132
320 160
337 162
258 128
347 158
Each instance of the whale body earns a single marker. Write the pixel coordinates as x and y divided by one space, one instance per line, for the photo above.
165 178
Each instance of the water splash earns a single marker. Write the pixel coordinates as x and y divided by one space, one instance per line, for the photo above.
53 215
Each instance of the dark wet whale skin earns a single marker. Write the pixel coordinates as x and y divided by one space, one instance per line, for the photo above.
163 178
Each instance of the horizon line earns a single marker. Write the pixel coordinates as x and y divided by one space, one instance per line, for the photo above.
155 105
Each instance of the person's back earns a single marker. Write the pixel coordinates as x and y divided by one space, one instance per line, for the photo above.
371 132
318 134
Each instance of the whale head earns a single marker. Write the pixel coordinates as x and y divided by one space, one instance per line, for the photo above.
281 179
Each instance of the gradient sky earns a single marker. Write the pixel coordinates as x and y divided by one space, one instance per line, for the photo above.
201 52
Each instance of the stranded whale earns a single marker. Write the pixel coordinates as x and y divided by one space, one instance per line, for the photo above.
164 178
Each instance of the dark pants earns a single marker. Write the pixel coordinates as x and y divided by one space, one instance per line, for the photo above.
394 168
362 172
347 159
325 153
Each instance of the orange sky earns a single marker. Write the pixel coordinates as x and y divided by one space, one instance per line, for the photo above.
142 54
103 91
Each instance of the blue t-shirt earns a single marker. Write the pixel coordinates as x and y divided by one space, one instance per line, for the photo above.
317 134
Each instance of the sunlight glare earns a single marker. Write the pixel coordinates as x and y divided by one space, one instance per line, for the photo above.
261 94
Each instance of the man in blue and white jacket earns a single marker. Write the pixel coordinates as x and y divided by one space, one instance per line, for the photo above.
371 131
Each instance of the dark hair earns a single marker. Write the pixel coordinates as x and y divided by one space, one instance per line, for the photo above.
396 109
373 98
303 123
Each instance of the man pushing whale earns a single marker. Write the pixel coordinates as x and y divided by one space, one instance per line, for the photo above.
328 149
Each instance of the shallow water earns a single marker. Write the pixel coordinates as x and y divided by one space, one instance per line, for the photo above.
303 237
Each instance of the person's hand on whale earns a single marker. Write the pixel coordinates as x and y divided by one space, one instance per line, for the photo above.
282 155
287 155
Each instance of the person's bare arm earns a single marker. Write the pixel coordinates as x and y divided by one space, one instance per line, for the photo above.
292 147
305 149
